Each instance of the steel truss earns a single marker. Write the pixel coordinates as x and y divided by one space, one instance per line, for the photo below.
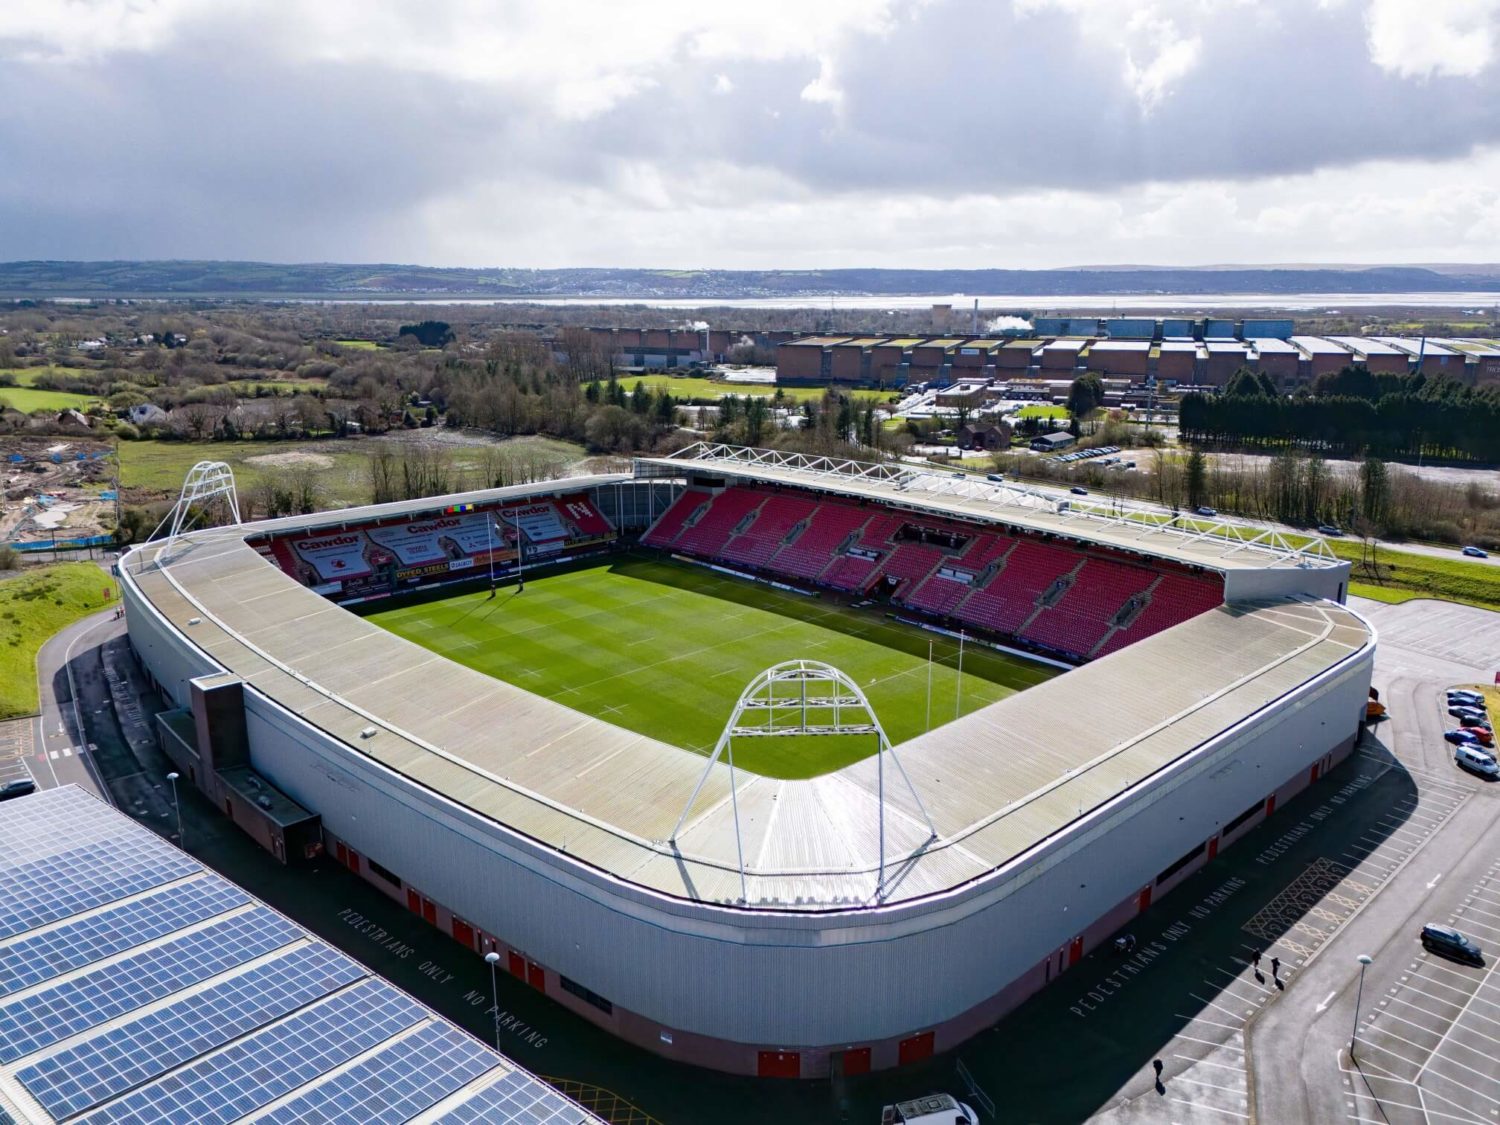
815 699
1141 521
205 482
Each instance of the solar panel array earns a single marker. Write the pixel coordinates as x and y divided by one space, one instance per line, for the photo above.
137 987
514 1098
395 1084
113 1061
51 953
225 1086
51 1015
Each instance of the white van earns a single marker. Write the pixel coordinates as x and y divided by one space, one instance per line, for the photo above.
1479 761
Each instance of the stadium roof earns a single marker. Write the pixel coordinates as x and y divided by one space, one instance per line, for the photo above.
1215 543
138 986
607 798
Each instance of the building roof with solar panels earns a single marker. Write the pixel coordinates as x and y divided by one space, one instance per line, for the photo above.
138 986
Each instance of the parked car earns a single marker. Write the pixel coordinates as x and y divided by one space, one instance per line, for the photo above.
1476 553
1450 943
1461 736
1205 510
994 476
1329 529
1484 735
1460 695
1078 491
18 787
1476 759
1465 711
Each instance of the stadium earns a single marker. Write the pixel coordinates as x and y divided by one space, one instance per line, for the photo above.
771 763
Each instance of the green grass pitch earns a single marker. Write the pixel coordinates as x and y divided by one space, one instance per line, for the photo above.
665 648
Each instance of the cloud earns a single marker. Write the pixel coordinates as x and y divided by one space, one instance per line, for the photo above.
1436 37
883 132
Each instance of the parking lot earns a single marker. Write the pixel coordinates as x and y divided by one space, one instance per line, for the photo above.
15 747
1429 1050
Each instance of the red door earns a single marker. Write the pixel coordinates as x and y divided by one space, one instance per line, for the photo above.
1314 775
1143 900
779 1064
915 1048
351 857
413 901
1270 804
856 1061
1213 848
429 911
517 965
463 933
536 976
341 852
1075 952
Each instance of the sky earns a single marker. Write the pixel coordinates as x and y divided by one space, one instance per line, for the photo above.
792 134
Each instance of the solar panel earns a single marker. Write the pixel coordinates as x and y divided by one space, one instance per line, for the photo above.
66 883
516 1099
82 1076
256 1071
394 1084
53 1014
31 960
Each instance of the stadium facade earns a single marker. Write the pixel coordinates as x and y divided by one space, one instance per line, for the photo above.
1218 675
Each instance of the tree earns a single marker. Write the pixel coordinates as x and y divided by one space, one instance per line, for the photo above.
757 414
428 333
1197 479
613 429
1374 492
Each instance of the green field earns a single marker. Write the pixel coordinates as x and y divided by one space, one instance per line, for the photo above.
693 386
343 465
665 648
359 345
1042 410
33 605
27 399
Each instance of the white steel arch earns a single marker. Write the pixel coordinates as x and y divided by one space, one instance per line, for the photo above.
815 699
205 482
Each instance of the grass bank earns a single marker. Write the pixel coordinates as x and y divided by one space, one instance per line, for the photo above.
33 606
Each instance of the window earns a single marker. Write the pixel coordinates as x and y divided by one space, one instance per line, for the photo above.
586 994
385 873
1181 863
1239 820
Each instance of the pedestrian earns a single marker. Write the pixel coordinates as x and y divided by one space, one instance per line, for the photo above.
1255 958
1156 1066
1275 967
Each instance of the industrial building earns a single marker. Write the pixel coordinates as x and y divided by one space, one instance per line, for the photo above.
1205 353
785 928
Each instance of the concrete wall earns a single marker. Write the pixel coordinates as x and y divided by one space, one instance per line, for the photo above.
1246 585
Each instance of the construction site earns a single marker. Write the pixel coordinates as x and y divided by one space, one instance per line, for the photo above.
58 493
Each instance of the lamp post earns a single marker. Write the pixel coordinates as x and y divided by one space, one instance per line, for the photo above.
177 807
1364 963
492 959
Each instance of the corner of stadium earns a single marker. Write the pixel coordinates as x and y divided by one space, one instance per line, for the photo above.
783 927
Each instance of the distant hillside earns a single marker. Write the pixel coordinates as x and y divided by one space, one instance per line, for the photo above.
263 279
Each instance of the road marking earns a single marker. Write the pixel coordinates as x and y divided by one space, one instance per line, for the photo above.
1211 1108
1323 1007
1435 880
